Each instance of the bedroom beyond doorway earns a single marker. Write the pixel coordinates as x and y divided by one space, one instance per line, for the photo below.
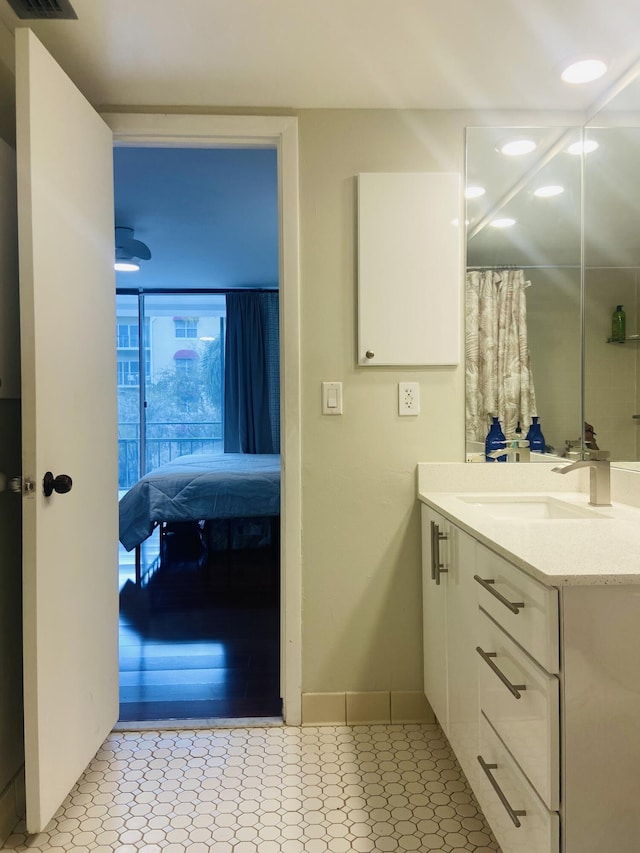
199 600
200 596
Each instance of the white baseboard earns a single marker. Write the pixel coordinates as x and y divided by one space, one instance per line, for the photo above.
366 708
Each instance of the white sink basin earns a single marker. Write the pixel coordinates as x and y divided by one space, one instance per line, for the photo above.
528 507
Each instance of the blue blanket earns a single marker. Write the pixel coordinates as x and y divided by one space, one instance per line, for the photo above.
201 486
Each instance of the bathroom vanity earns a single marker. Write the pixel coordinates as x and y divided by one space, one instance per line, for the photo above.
532 652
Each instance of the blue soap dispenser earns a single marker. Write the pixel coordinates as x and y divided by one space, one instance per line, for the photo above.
495 440
535 436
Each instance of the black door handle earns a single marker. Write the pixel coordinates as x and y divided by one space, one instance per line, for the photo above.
60 484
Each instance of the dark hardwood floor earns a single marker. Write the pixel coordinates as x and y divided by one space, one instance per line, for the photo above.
202 641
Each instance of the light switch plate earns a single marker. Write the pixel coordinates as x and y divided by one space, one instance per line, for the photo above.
332 398
408 398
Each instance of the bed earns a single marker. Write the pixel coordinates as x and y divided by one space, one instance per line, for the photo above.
200 488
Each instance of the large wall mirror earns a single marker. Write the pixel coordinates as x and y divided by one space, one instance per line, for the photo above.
553 247
523 282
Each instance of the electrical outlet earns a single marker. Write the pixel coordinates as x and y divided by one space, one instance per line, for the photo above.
408 398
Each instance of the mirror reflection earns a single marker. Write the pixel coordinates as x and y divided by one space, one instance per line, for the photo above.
523 283
612 267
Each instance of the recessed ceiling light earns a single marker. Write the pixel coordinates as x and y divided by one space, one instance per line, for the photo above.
548 191
517 147
584 71
581 147
474 192
502 223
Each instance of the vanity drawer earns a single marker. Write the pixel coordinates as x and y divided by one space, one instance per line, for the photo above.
521 701
526 609
519 819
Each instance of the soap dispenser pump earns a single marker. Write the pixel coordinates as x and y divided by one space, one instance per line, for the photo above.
495 440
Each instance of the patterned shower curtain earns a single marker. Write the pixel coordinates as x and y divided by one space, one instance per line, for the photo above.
499 381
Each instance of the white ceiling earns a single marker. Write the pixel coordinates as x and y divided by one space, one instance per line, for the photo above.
423 54
435 54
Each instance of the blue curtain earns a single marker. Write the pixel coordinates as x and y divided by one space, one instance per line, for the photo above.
252 374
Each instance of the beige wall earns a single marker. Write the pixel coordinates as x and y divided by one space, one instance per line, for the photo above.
361 618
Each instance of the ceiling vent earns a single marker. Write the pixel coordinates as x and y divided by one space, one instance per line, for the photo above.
47 9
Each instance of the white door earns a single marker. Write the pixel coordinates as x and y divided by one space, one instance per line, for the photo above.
67 305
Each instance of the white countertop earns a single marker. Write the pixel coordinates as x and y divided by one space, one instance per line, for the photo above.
558 552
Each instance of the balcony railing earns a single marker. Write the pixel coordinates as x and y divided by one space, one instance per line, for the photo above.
163 445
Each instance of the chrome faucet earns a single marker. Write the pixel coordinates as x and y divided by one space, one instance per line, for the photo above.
599 479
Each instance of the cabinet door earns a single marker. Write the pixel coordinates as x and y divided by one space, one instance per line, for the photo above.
462 618
435 564
409 268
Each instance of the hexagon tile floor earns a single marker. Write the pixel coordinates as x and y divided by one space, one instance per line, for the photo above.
269 790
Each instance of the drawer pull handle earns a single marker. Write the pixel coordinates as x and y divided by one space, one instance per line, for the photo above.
514 814
514 689
485 583
437 568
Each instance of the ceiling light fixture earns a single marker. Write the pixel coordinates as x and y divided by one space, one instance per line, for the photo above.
581 147
129 251
517 147
548 191
584 71
474 192
503 223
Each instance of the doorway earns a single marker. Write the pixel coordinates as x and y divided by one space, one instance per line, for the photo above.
282 132
199 598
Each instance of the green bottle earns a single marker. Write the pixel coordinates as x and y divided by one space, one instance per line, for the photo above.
618 324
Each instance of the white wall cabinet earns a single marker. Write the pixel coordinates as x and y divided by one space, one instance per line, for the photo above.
9 316
533 673
409 268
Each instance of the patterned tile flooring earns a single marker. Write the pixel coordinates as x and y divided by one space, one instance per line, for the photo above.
274 789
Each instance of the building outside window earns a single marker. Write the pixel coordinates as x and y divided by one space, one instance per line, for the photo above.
186 327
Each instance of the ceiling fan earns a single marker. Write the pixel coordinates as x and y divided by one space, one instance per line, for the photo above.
129 250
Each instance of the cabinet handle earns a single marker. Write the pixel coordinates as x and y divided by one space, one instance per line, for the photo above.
437 568
485 583
513 813
514 689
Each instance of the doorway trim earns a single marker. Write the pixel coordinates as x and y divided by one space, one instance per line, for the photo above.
281 132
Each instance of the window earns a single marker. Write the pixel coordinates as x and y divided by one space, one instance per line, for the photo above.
186 327
186 362
128 372
127 335
186 368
